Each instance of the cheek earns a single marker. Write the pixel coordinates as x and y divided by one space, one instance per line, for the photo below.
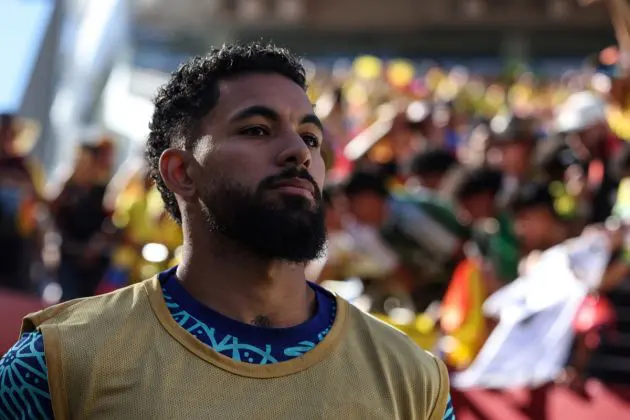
239 165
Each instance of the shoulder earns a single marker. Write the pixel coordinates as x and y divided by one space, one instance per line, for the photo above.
29 348
24 388
397 345
76 333
405 361
81 312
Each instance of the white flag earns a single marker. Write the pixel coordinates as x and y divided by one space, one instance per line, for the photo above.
531 343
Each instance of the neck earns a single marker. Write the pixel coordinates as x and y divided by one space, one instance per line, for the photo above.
227 278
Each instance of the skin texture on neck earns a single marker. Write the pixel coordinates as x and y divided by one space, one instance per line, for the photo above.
227 278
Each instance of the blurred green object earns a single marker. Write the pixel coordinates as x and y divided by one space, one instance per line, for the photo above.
498 244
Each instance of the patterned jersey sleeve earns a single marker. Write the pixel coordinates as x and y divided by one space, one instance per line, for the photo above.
24 392
449 413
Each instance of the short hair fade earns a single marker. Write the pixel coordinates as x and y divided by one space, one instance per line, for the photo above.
192 92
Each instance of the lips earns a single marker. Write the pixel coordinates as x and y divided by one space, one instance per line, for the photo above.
295 184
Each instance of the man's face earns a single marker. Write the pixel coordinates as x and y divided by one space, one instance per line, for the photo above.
515 157
535 226
261 172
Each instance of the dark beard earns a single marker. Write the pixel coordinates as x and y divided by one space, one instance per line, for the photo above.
291 229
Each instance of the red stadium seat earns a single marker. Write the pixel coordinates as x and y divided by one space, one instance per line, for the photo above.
13 306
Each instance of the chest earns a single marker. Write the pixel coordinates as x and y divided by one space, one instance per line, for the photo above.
207 392
165 381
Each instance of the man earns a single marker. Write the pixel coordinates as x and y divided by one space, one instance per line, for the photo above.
582 119
20 202
492 258
537 223
565 173
512 141
84 223
235 331
475 191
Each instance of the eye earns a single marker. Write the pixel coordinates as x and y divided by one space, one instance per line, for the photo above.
311 140
255 131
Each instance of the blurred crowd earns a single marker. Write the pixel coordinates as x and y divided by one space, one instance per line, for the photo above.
435 175
446 187
84 233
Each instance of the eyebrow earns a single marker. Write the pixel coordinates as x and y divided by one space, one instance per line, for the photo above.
313 119
270 114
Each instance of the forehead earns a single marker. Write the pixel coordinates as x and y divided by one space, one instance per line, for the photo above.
271 90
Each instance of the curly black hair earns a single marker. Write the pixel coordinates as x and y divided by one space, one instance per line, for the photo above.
192 92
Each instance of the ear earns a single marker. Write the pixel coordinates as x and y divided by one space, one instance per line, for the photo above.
176 168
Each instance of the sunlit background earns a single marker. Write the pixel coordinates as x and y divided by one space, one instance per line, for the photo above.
82 69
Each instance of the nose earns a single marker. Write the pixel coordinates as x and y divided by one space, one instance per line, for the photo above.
295 152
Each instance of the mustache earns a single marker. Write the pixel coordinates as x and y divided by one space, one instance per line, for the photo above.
291 173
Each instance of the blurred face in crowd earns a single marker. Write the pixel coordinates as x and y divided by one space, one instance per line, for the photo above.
479 206
368 208
515 158
257 172
536 228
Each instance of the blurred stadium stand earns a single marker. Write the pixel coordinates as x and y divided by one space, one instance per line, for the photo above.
28 42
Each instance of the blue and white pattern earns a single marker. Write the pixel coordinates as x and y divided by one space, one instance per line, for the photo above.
24 393
449 414
235 347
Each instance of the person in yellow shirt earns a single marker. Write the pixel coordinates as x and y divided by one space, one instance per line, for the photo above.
145 225
235 331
